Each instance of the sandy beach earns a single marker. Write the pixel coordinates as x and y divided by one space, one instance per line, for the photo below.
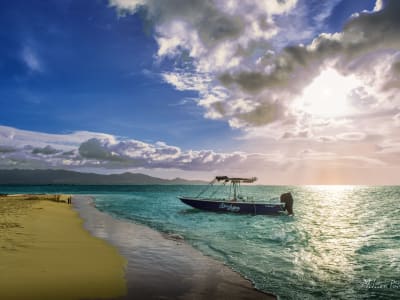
45 253
165 267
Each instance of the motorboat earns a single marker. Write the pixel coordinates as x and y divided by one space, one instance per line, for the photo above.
234 201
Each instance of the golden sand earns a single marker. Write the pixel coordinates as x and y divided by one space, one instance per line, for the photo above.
45 253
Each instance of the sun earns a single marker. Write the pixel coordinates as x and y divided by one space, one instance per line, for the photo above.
328 95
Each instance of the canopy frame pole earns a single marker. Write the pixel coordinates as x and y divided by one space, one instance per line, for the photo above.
206 188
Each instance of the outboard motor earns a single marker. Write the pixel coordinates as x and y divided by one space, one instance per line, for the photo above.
288 200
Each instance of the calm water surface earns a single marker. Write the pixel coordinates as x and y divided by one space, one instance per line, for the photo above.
342 243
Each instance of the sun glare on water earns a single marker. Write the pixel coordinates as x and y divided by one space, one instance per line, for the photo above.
328 95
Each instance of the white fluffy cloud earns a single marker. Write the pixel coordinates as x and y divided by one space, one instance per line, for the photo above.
215 36
108 154
27 149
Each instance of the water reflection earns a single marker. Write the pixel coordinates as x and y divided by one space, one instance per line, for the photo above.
344 234
339 236
332 221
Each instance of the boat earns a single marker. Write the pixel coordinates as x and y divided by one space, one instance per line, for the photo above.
235 202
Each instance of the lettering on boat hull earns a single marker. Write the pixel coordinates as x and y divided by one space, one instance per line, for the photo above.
229 207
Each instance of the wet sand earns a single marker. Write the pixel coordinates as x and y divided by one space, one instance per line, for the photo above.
164 268
45 253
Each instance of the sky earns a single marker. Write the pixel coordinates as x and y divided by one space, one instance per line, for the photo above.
293 92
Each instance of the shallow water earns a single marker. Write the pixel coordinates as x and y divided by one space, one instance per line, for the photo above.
342 243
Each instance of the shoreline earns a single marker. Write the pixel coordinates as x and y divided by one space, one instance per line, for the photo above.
160 266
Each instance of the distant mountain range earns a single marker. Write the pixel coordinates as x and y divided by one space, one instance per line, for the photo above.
44 177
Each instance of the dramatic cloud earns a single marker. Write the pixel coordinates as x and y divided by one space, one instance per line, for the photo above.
133 153
268 68
107 154
102 151
210 37
368 47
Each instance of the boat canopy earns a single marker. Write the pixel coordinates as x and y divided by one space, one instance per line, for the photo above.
235 179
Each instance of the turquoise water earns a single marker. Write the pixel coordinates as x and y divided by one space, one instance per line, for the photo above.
342 243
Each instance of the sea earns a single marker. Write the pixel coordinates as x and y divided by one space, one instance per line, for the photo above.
343 242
